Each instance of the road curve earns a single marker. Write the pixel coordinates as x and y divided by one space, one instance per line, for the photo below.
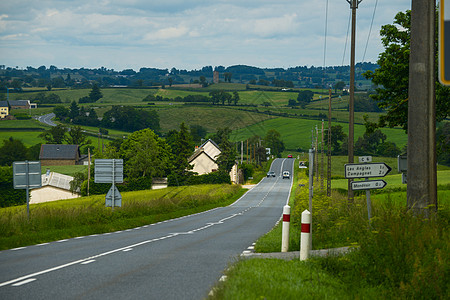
175 259
47 119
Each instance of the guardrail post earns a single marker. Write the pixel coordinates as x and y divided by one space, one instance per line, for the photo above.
305 237
285 230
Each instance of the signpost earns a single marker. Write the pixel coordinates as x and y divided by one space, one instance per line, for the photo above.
110 171
27 175
368 185
367 169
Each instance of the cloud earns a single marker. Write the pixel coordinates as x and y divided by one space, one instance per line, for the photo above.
191 33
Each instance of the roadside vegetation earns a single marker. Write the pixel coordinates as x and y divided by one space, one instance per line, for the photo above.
395 256
64 219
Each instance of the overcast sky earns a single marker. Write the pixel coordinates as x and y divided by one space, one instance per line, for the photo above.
187 34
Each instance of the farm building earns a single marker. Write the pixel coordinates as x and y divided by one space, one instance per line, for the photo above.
58 155
55 186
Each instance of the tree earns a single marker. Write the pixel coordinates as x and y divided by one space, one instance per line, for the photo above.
145 155
339 86
392 77
130 119
61 112
76 136
235 97
74 110
198 133
337 136
54 135
95 94
274 142
182 147
305 97
12 150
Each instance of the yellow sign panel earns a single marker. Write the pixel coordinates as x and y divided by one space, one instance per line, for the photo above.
444 42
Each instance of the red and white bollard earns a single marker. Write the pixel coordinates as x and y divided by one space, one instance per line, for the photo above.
285 230
305 237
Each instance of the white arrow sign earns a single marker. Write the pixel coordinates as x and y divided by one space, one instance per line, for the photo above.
366 170
368 185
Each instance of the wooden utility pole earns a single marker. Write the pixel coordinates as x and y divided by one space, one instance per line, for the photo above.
321 160
422 181
329 146
351 105
89 170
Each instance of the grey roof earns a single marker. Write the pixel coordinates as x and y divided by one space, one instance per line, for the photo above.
59 151
210 140
19 102
3 103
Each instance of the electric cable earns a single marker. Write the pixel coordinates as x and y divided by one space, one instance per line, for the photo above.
370 30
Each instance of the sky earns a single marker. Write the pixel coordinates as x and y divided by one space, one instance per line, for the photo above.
189 34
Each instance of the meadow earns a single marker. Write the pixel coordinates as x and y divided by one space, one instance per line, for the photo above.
64 219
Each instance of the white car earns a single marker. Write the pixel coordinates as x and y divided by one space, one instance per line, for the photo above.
286 174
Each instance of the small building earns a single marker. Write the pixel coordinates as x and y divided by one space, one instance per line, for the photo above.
4 109
58 155
55 186
24 104
204 160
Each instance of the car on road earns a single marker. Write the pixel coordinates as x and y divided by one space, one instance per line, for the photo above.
290 156
271 174
286 174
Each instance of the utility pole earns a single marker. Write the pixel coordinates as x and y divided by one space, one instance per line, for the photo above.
321 160
329 145
351 106
422 181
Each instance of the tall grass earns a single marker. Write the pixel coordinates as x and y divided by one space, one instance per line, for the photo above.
395 256
88 215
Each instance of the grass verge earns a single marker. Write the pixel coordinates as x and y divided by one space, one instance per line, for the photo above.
64 219
395 256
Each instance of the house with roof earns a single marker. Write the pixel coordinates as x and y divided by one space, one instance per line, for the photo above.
4 109
24 104
204 160
60 154
55 186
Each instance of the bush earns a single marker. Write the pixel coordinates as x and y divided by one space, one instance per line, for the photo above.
8 195
211 178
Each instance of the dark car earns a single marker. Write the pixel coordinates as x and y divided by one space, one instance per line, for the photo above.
271 174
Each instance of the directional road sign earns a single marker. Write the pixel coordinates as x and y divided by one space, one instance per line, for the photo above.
366 170
27 174
108 171
368 185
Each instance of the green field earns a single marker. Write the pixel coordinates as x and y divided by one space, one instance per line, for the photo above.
296 133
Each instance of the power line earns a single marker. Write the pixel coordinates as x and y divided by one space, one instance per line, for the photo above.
370 30
346 38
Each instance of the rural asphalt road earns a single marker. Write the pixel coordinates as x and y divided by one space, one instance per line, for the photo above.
177 259
47 119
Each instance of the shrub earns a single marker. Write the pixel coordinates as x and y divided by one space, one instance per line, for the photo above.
8 195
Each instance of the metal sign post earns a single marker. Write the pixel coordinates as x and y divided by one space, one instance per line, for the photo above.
27 175
110 171
367 169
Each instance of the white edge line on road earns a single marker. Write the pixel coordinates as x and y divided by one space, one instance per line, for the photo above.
24 282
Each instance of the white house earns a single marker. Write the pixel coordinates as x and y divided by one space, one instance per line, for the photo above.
55 186
204 160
